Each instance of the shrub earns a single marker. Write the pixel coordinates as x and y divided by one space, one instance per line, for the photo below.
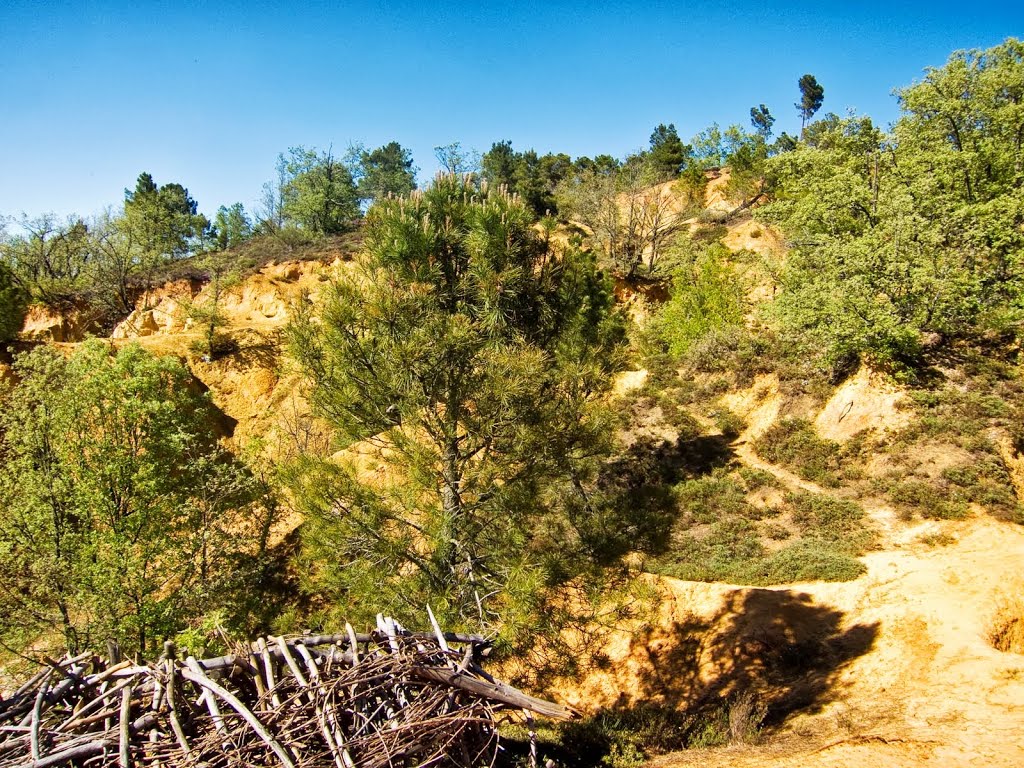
810 561
928 499
840 521
794 443
13 302
705 296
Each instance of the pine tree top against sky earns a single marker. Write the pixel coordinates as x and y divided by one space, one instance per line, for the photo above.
211 94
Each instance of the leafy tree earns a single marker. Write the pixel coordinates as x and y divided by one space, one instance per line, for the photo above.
747 155
811 97
499 164
123 515
13 302
600 164
531 176
51 258
387 170
709 149
456 160
762 121
163 220
232 226
317 192
467 358
668 155
706 296
918 232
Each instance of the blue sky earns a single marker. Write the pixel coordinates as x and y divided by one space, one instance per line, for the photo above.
208 94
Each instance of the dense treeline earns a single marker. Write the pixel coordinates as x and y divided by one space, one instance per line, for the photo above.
471 349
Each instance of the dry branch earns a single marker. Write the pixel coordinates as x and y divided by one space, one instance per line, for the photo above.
388 698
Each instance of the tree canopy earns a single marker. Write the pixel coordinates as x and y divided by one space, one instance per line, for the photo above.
922 229
387 170
469 356
317 192
123 517
13 300
811 97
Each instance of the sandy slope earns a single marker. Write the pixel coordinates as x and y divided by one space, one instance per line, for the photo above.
897 668
914 678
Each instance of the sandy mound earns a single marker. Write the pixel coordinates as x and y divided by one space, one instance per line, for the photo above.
901 665
628 381
864 401
45 324
260 300
753 236
759 404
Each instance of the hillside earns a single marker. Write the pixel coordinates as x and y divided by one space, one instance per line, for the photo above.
916 661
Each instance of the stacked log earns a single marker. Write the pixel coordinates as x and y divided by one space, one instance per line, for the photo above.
386 698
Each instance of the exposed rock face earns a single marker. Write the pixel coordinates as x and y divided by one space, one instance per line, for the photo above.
864 401
45 324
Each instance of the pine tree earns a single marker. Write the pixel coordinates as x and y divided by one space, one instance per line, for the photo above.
811 97
466 357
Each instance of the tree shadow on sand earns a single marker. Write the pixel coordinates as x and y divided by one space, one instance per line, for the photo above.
777 645
764 655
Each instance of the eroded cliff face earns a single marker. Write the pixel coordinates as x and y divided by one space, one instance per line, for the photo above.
920 661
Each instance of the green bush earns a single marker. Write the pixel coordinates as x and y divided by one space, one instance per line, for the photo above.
705 296
928 499
709 499
794 443
13 303
810 560
839 521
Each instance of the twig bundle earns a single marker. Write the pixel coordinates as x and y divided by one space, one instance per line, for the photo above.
389 698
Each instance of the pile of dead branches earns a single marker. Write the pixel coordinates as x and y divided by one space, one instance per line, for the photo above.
387 698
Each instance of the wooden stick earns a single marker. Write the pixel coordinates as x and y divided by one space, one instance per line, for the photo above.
199 678
290 660
172 706
124 758
71 754
211 702
437 631
495 691
353 643
37 713
268 666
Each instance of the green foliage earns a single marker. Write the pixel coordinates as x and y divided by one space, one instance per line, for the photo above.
232 226
833 520
811 97
315 194
531 176
706 296
123 516
914 233
794 443
13 303
164 220
471 356
668 155
50 259
385 171
762 121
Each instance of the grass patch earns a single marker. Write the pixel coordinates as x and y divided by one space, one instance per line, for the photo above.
720 536
838 521
794 444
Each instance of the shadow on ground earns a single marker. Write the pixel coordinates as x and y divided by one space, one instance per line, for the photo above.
763 656
778 645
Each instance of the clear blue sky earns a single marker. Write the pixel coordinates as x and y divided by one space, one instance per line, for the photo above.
208 94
